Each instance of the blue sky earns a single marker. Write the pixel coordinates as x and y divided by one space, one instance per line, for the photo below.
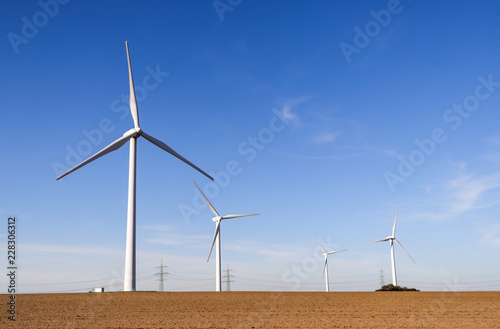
322 116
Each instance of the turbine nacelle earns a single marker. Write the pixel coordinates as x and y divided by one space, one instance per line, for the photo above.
389 238
133 133
217 219
334 252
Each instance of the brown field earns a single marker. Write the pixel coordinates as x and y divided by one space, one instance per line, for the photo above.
256 310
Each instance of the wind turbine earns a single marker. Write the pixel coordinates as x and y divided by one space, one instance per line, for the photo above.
216 240
325 268
131 135
391 239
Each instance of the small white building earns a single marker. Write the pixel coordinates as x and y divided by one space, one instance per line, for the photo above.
99 289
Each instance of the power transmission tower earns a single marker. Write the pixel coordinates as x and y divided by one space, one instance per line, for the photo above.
382 279
227 278
161 274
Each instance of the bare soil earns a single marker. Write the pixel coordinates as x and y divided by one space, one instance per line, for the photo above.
255 310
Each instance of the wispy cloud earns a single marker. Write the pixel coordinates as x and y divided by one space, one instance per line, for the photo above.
490 235
382 150
467 191
333 157
462 193
287 111
288 114
66 249
157 227
165 236
326 137
279 252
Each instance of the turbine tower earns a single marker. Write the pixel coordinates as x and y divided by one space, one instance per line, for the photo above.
325 268
391 240
216 240
131 135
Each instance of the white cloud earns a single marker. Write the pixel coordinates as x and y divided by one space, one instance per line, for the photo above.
282 253
490 235
287 112
177 239
165 235
65 249
334 157
385 151
157 227
462 193
326 137
467 191
278 252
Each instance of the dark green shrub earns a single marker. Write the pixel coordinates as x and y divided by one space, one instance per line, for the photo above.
391 287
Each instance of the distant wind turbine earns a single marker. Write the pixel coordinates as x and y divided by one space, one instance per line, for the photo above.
131 135
392 238
325 268
216 240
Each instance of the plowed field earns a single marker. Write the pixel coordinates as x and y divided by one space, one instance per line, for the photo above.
256 310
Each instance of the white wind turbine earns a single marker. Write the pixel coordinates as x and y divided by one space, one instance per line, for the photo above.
216 240
392 238
325 268
131 135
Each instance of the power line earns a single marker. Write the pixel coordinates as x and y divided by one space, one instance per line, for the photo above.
161 274
382 279
227 279
192 280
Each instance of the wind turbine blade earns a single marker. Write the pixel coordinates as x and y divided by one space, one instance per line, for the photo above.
378 241
334 252
167 148
405 250
208 202
133 101
236 216
324 267
319 245
213 241
110 148
394 227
